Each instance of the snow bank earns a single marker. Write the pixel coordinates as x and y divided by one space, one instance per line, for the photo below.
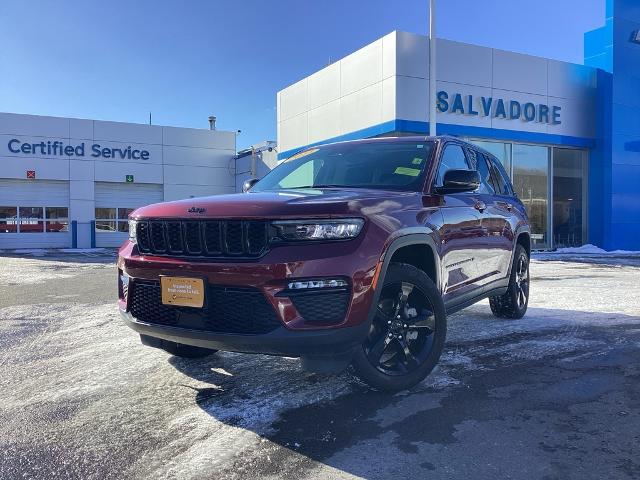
590 249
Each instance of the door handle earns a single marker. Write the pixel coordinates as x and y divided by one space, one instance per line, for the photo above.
480 206
506 205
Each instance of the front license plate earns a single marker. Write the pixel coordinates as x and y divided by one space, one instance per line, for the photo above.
182 292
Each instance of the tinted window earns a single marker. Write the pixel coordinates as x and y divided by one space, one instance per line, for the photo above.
385 165
499 178
453 158
486 186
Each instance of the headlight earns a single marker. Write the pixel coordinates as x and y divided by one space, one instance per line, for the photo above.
296 230
132 231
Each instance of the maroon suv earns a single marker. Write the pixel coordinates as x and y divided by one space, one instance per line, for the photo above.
348 253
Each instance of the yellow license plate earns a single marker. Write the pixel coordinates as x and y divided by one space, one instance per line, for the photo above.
182 292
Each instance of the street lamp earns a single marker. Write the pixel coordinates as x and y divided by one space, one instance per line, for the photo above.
432 67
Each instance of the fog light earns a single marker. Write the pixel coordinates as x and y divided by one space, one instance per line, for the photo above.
313 284
124 285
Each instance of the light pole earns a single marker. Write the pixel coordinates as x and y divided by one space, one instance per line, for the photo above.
432 67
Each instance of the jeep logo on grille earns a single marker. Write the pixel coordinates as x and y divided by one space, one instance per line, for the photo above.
197 210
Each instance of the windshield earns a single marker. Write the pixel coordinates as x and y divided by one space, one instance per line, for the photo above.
383 165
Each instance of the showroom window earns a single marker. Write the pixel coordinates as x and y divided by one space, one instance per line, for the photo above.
56 219
114 219
21 219
8 219
551 181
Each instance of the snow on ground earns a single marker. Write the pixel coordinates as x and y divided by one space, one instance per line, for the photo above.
82 398
590 249
25 271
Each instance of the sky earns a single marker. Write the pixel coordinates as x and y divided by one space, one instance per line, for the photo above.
185 60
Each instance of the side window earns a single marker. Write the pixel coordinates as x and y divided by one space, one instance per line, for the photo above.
486 185
499 178
453 158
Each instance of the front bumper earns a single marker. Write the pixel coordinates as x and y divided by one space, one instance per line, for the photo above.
269 276
282 341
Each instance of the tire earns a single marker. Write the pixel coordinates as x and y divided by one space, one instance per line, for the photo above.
514 302
185 351
399 353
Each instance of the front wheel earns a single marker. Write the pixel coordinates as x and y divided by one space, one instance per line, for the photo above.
407 333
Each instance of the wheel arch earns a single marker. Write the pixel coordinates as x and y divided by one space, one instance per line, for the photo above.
420 255
413 241
524 239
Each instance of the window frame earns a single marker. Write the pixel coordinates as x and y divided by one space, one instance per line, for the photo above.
482 157
64 220
502 176
116 219
44 219
443 150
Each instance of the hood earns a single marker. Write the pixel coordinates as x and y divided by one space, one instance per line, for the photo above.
281 204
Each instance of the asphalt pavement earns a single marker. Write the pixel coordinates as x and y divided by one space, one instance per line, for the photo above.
555 395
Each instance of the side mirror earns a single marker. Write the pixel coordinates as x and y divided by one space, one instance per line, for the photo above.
248 184
458 181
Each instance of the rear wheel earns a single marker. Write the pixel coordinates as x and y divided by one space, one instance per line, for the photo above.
407 333
514 302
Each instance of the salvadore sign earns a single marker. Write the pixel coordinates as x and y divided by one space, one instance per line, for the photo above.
57 148
461 104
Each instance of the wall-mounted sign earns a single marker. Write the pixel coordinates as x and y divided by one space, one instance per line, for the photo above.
129 178
498 108
57 148
31 174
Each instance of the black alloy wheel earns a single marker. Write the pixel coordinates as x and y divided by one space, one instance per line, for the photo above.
514 302
522 281
402 332
407 332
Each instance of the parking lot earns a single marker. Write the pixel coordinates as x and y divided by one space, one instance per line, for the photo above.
555 395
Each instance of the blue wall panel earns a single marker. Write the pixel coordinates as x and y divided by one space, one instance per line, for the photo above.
614 179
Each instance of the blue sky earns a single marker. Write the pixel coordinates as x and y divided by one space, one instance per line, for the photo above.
183 60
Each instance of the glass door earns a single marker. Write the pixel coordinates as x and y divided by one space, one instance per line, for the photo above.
531 183
569 197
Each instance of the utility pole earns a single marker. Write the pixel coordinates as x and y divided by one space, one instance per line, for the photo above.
432 68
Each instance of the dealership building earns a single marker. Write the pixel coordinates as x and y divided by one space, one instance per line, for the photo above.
568 134
66 182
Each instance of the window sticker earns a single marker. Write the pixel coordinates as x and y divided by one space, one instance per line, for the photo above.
411 172
302 154
420 145
417 161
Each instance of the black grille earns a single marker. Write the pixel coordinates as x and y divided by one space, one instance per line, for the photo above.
227 310
322 307
206 238
158 242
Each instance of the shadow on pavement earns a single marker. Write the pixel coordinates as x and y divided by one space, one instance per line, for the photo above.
106 256
553 395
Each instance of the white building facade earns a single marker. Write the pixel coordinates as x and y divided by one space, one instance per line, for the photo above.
537 115
71 183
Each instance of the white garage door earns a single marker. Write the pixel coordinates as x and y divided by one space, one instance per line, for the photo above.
34 214
114 202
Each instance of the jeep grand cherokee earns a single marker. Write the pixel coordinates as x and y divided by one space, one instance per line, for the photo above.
350 253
